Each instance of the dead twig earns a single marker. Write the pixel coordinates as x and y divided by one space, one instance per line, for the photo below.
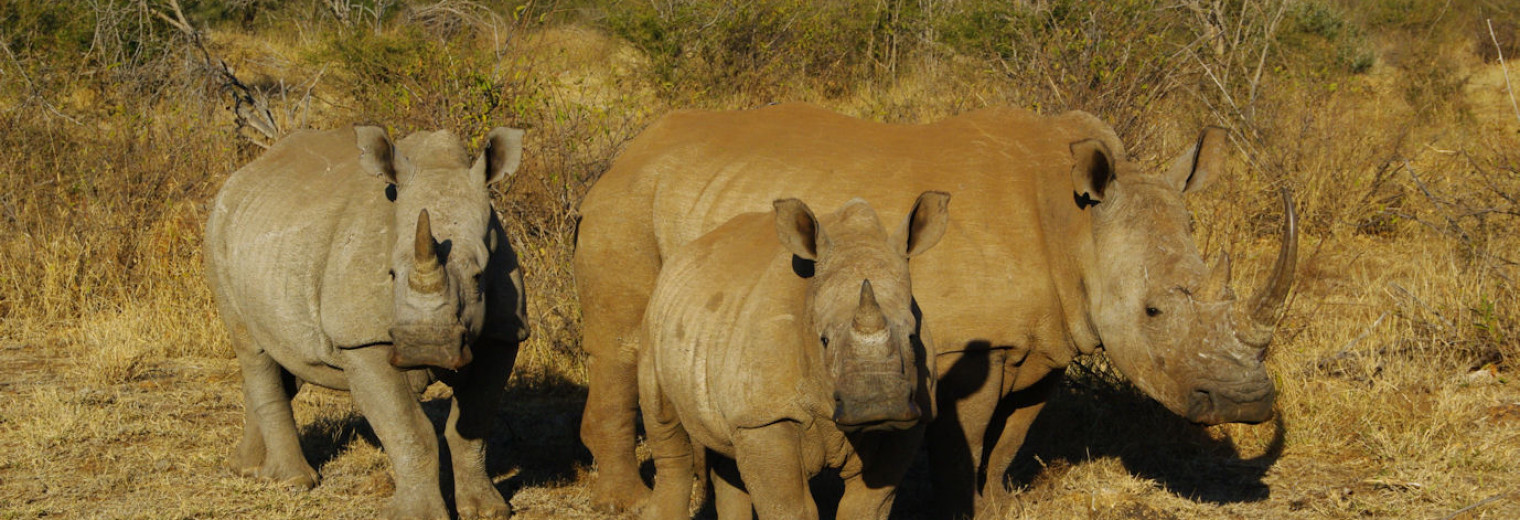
250 108
32 91
1505 69
1359 337
1480 503
1401 291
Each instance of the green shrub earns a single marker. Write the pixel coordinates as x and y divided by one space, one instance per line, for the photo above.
1320 36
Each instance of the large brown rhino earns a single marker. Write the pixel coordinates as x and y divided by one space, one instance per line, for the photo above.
789 364
1061 247
341 260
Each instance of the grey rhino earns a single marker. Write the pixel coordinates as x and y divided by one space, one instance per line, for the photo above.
788 364
1061 247
341 260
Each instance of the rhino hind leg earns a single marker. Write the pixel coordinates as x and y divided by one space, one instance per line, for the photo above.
613 297
271 446
472 418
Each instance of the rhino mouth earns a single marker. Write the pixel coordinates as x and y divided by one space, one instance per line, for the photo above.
878 402
429 345
1250 403
896 419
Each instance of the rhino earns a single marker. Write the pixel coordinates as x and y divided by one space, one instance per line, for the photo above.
789 343
1061 247
340 259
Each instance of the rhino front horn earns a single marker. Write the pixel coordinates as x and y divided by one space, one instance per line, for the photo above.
427 274
1262 310
868 318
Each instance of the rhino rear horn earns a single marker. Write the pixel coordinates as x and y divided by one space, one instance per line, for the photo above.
427 274
1217 286
1263 308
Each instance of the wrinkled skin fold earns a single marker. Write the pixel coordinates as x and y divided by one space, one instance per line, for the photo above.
341 259
1060 246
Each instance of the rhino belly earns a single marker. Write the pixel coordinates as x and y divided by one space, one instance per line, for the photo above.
685 384
270 279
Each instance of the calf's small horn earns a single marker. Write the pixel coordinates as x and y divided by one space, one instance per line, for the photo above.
868 318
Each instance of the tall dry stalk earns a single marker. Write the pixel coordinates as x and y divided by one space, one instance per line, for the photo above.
1502 67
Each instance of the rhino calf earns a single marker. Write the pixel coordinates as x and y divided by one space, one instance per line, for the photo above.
787 365
341 260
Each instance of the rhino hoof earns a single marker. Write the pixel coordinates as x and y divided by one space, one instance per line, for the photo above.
501 512
242 469
481 501
297 479
612 498
414 511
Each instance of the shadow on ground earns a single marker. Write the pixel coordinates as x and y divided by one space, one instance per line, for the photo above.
1094 415
536 437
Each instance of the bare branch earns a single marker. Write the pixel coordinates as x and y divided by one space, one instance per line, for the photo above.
1498 48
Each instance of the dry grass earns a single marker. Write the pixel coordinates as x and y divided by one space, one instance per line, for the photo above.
1396 360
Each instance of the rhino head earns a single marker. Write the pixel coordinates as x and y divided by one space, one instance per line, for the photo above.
1169 323
439 269
860 305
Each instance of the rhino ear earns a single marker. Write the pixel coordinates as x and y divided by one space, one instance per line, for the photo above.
798 228
925 225
1093 171
376 156
1193 170
502 154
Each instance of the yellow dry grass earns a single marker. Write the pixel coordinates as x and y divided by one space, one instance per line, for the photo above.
1396 360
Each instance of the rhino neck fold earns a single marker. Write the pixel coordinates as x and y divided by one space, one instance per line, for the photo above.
1073 259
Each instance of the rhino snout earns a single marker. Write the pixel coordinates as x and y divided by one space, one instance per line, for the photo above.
1247 402
874 402
417 346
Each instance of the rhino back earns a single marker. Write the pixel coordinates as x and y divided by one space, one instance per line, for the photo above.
1000 275
299 238
727 324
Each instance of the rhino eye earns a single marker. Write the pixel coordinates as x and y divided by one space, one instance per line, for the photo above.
1152 312
824 339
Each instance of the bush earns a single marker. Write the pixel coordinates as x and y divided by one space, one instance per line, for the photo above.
761 48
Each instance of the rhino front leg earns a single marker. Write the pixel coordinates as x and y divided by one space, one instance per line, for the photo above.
1026 406
733 502
871 477
384 396
472 417
271 446
967 392
770 462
